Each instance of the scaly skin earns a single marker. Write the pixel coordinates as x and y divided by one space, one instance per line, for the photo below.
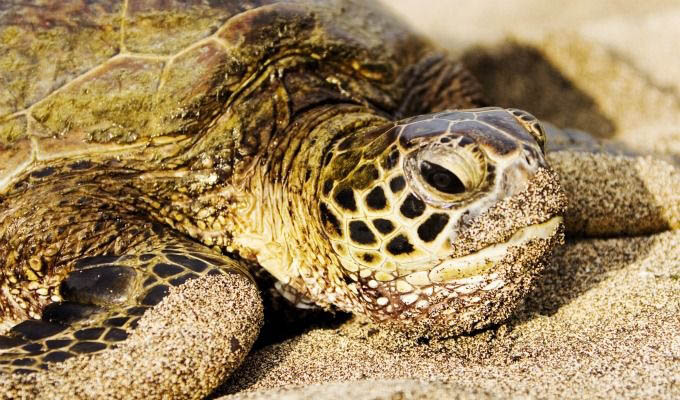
267 133
388 249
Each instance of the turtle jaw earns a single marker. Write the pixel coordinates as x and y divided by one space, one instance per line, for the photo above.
481 289
478 264
491 266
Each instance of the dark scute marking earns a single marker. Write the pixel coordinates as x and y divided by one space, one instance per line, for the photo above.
346 143
368 257
308 175
23 362
116 321
363 177
399 245
538 127
214 271
235 345
343 164
8 342
164 270
327 158
134 322
397 184
379 131
67 312
206 258
441 178
190 262
80 165
345 199
87 347
391 159
456 115
109 284
146 257
155 295
488 136
506 122
429 229
89 333
158 228
361 233
465 141
58 343
115 335
367 137
137 310
57 356
412 207
32 348
34 330
41 173
23 371
96 260
376 199
329 221
182 279
379 145
149 281
423 129
383 226
327 186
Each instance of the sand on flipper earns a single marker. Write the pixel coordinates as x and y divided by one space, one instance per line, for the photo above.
187 331
603 319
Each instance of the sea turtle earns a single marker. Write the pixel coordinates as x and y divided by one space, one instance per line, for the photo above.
146 143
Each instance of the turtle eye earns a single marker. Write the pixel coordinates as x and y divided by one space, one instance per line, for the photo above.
447 175
441 178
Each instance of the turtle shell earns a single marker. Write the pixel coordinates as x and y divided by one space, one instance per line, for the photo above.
144 80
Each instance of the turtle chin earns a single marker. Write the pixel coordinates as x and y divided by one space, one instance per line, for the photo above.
494 262
477 290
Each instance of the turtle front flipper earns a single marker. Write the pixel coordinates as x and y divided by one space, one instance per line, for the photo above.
102 301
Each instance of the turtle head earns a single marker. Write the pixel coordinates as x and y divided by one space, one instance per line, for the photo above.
440 222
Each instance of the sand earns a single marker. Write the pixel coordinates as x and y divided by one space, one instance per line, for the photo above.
603 321
604 318
187 331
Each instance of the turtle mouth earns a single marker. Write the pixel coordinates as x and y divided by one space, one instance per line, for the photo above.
482 261
460 276
469 292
